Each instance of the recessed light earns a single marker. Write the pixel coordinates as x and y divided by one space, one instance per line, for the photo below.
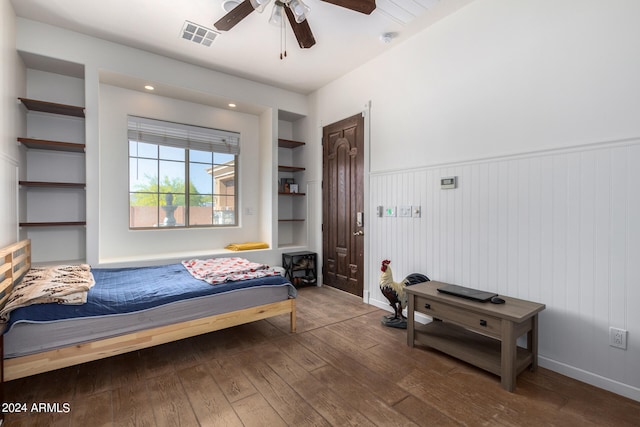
232 105
149 87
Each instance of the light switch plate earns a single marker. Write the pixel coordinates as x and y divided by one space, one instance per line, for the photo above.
404 211
390 211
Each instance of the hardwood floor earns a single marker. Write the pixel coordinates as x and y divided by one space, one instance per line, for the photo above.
341 368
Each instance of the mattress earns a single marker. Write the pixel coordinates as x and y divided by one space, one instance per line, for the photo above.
132 299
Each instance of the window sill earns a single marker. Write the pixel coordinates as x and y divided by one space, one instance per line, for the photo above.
168 258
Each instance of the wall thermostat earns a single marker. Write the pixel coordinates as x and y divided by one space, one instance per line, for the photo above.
449 182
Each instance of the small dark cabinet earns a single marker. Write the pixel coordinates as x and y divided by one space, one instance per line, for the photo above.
301 268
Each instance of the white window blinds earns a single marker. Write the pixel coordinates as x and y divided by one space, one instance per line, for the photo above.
183 136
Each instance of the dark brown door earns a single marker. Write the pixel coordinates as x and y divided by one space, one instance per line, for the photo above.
343 205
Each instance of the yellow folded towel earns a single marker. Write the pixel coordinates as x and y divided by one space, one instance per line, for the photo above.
247 246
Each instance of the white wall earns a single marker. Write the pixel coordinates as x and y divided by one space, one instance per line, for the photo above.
12 122
491 93
498 77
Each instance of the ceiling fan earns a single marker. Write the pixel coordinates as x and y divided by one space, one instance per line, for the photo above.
296 12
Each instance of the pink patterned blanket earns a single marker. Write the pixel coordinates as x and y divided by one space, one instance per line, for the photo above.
220 270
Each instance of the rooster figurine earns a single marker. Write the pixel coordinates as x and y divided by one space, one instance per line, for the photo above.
395 293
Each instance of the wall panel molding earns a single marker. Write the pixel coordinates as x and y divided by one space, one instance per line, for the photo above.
560 227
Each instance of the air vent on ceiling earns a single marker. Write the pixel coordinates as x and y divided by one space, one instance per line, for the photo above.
198 34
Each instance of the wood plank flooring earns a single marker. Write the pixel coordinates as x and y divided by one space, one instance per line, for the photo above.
342 368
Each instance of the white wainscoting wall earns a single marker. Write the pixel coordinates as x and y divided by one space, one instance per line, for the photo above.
560 227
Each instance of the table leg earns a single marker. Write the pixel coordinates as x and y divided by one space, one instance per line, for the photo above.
410 320
532 341
508 356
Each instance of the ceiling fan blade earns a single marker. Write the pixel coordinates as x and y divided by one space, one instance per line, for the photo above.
301 30
236 15
362 6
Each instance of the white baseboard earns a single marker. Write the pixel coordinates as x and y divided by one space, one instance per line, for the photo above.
590 378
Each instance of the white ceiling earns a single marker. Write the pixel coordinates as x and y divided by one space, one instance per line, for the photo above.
344 39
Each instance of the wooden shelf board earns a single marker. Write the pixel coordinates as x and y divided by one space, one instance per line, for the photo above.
53 224
291 220
44 144
52 184
283 168
287 143
479 350
52 107
291 194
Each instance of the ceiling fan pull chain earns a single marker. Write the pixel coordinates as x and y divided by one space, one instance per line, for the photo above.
283 41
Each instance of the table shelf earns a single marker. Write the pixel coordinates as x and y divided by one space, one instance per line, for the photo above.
479 350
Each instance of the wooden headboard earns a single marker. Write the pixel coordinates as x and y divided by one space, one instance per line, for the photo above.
16 261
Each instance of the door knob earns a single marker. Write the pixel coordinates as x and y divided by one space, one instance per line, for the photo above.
358 233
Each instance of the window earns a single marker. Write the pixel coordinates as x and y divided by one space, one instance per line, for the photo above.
181 175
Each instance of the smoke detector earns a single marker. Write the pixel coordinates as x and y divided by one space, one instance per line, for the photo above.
387 37
198 34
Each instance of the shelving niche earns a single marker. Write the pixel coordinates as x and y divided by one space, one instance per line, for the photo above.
292 206
52 184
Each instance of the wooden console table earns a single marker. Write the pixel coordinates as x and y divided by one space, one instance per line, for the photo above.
480 333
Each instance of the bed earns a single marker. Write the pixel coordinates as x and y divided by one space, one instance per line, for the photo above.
44 337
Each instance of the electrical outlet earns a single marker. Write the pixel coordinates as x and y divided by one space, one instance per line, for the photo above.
618 338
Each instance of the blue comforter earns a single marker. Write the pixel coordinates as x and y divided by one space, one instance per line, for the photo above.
126 290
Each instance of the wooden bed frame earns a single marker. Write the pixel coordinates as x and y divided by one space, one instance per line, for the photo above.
16 261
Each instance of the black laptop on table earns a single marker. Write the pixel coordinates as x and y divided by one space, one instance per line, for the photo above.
468 293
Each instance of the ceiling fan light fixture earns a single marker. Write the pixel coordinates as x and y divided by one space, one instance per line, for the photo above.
259 5
229 5
299 9
277 13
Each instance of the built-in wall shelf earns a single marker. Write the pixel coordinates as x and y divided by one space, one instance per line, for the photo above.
44 144
287 143
52 184
292 213
282 168
52 107
53 224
